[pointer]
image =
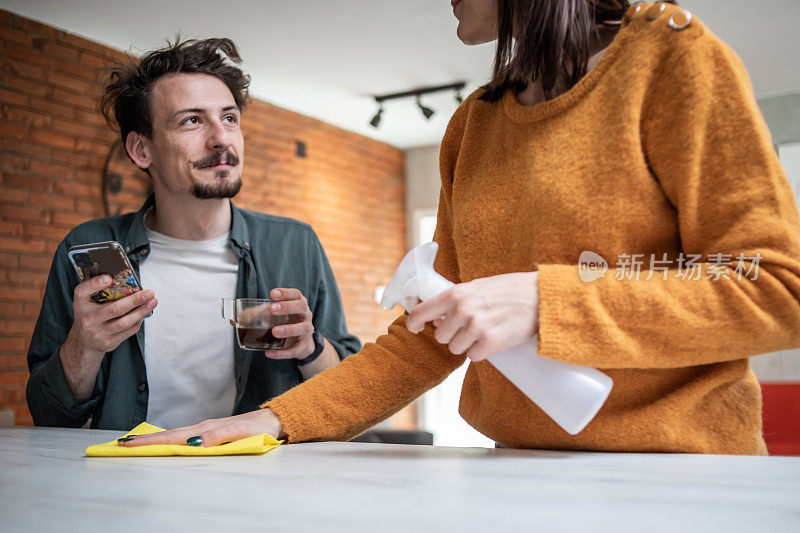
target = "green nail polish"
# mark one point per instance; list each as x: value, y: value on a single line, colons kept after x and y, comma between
x: 194, y: 441
x: 124, y: 439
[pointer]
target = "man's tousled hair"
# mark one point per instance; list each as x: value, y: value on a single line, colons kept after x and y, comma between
x: 128, y: 87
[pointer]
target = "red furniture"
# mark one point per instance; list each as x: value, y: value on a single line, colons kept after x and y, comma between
x: 781, y: 413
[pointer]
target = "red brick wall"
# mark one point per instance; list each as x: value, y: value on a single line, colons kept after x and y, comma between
x: 53, y: 145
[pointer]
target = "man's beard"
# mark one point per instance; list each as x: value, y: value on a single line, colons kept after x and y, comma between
x: 210, y: 191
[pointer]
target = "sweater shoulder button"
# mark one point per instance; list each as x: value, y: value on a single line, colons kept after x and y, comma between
x: 655, y: 11
x: 680, y: 20
x: 632, y: 12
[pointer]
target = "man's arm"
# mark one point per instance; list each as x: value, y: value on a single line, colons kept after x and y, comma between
x: 50, y: 397
x: 327, y: 307
x: 328, y: 358
x: 299, y: 335
x: 71, y: 337
x: 321, y: 310
x: 98, y: 329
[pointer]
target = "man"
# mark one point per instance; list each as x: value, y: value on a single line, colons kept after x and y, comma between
x: 179, y: 111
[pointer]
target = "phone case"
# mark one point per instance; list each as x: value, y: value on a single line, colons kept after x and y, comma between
x: 108, y: 257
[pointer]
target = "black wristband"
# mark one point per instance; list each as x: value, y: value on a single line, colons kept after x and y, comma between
x: 319, y: 345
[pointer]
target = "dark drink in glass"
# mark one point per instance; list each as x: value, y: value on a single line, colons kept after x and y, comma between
x: 254, y: 322
x: 258, y: 339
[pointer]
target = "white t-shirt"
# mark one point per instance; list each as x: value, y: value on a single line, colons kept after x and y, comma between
x: 188, y: 346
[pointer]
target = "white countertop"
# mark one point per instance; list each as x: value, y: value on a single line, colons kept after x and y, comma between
x: 46, y: 483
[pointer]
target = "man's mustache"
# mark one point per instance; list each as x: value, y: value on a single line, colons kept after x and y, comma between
x: 215, y: 159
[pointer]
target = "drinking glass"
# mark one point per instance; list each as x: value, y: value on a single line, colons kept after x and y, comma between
x: 254, y: 322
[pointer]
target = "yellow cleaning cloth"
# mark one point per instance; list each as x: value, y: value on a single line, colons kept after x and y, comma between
x: 250, y: 445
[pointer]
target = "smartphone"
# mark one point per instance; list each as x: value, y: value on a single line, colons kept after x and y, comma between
x: 109, y: 258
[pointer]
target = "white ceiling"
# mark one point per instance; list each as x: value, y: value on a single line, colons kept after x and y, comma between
x: 324, y: 58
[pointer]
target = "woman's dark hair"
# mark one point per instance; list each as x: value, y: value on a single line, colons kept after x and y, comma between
x: 546, y: 40
x: 128, y: 87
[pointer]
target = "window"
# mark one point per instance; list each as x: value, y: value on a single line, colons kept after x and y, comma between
x: 789, y: 155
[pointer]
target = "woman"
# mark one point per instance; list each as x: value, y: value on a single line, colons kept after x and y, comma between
x: 630, y: 133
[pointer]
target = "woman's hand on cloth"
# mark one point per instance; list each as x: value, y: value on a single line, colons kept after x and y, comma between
x: 215, y: 431
x: 483, y: 316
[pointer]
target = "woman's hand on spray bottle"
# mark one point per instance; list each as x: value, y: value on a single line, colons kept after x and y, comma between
x: 483, y: 316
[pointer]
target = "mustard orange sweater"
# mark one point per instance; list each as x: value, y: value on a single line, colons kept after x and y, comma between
x: 660, y: 149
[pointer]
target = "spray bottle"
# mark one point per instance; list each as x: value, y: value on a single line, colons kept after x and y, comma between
x: 570, y: 394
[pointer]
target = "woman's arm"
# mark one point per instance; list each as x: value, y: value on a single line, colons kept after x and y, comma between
x: 710, y: 150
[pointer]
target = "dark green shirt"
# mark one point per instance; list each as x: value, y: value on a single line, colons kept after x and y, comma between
x: 272, y: 251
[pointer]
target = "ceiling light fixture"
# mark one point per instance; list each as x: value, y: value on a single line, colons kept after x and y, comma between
x: 376, y: 120
x: 427, y: 111
x: 416, y: 93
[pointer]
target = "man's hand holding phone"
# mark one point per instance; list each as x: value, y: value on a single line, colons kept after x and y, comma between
x: 97, y: 329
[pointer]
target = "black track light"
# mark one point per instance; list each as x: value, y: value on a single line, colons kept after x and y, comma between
x: 376, y: 120
x: 416, y: 93
x: 427, y: 111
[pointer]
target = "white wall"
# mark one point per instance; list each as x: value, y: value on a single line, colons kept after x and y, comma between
x: 422, y: 186
x: 782, y: 366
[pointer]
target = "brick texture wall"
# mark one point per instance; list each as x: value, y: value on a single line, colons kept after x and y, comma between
x: 53, y: 148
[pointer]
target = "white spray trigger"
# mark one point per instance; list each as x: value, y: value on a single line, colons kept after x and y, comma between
x: 415, y: 279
